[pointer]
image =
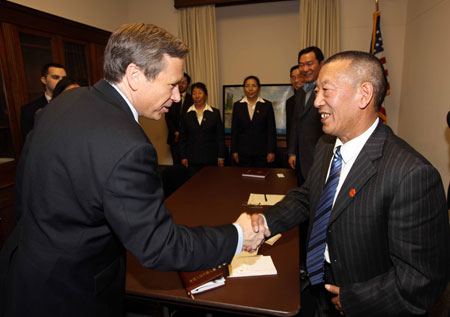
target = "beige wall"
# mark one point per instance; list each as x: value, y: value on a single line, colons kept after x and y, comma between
x: 356, y: 31
x: 257, y: 39
x: 425, y: 98
x: 103, y: 14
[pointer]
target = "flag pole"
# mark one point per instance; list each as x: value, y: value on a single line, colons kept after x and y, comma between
x: 376, y: 4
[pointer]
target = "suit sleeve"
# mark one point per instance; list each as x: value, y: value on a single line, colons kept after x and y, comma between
x: 418, y: 235
x: 271, y: 130
x: 290, y: 212
x: 235, y: 128
x: 134, y: 208
x: 220, y: 136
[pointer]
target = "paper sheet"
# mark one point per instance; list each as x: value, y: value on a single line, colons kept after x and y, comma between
x: 264, y: 199
x: 252, y: 266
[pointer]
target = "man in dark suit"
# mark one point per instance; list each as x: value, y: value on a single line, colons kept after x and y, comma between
x: 173, y: 118
x: 87, y: 190
x: 51, y: 74
x: 306, y: 129
x: 297, y: 83
x: 379, y: 236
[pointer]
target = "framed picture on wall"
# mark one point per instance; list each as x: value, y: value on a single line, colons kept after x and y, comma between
x: 276, y: 93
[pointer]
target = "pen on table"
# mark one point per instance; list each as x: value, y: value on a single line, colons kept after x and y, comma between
x: 265, y: 197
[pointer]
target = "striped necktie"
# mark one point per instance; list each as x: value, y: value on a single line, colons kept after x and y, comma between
x: 318, y: 238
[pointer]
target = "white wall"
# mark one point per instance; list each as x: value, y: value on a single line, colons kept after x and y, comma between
x: 425, y: 98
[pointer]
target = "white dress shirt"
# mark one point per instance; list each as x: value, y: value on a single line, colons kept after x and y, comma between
x: 349, y: 153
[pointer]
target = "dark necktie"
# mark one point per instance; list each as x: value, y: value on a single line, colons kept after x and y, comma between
x: 318, y: 238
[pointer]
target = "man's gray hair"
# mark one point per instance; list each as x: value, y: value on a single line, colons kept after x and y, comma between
x: 142, y: 44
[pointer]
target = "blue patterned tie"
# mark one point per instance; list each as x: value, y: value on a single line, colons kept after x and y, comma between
x: 318, y: 238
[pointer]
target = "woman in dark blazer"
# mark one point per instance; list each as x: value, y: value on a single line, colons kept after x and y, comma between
x: 253, y: 134
x: 202, y: 139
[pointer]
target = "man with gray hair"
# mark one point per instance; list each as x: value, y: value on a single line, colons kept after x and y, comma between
x: 87, y: 191
x: 378, y: 239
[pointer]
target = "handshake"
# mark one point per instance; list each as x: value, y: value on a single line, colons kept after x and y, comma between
x: 253, y: 229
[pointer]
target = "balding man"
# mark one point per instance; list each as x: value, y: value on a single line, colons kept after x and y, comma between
x: 378, y: 240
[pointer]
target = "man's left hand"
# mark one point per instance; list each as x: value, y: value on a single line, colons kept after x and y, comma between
x: 335, y: 300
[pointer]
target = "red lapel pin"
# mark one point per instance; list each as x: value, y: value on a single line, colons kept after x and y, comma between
x: 257, y: 111
x: 204, y: 119
x: 352, y: 192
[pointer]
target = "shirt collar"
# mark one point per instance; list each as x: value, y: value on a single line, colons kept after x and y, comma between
x: 47, y: 97
x: 257, y: 100
x: 352, y: 148
x: 133, y: 110
x: 207, y: 107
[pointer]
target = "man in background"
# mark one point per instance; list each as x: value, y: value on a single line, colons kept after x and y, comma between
x: 378, y: 240
x: 51, y: 74
x: 173, y: 118
x: 306, y: 128
x: 87, y: 190
x: 297, y: 83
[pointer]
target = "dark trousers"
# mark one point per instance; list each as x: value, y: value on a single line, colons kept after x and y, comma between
x: 175, y: 151
x: 315, y: 299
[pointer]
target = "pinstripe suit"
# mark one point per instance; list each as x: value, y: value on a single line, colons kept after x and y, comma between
x: 389, y: 242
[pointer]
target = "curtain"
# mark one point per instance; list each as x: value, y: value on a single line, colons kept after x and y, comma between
x: 319, y: 25
x: 197, y: 28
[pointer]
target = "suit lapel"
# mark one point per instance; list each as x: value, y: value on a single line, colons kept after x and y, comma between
x: 362, y: 170
x: 309, y: 104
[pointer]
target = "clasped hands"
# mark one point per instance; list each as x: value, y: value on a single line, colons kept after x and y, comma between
x: 254, y: 231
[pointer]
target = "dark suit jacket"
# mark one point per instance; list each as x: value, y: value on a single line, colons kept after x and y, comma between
x: 290, y: 110
x: 305, y: 132
x: 89, y: 191
x: 27, y: 115
x: 389, y: 241
x: 202, y: 144
x: 256, y: 137
x: 173, y: 117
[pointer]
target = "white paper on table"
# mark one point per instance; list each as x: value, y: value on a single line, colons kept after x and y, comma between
x: 264, y: 200
x: 252, y: 266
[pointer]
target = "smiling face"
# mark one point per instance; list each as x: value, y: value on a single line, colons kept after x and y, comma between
x: 339, y: 102
x: 199, y: 97
x: 152, y: 98
x: 309, y: 67
x: 296, y: 79
x: 251, y: 88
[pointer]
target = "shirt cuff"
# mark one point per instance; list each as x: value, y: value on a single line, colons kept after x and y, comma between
x: 240, y: 239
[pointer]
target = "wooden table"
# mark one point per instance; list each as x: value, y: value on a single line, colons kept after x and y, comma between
x: 216, y: 196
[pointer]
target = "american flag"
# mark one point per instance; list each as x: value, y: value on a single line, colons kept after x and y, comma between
x: 376, y: 48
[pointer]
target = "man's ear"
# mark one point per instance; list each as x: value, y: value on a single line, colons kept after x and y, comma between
x: 134, y: 76
x: 366, y: 91
x: 43, y: 80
